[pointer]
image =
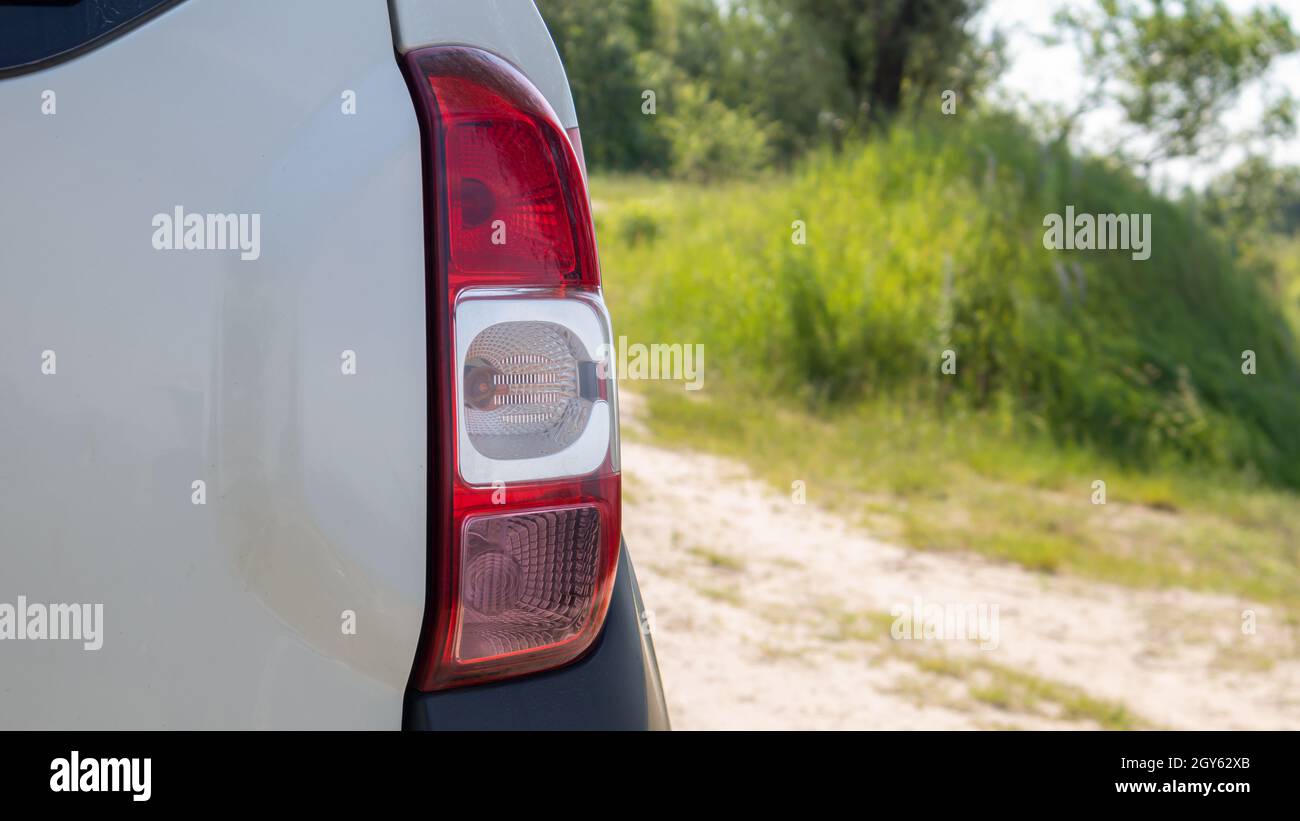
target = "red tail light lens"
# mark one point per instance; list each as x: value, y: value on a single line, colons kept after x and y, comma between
x: 524, y: 514
x: 507, y: 211
x: 511, y: 180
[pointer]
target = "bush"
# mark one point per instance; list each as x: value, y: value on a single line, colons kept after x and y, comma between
x: 710, y: 141
x: 930, y: 239
x: 639, y: 224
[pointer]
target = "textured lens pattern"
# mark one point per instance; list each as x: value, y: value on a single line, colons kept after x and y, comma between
x: 529, y: 580
x: 523, y: 390
x: 508, y: 211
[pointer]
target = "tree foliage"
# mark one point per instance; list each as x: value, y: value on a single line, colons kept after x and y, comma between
x: 1256, y: 195
x: 887, y: 49
x: 1176, y: 67
x: 741, y: 80
x: 792, y: 73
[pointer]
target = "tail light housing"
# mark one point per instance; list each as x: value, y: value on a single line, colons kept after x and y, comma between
x: 524, y: 492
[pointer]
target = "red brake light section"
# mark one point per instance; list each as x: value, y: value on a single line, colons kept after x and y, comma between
x: 521, y: 570
x: 503, y: 183
x: 506, y: 164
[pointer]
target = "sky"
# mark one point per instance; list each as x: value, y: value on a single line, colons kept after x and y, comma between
x: 1046, y: 74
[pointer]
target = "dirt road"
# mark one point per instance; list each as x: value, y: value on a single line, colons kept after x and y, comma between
x: 772, y: 614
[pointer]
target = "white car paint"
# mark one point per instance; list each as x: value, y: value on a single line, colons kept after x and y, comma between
x: 190, y: 365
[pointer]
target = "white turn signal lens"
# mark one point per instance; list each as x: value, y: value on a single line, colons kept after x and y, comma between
x: 535, y: 388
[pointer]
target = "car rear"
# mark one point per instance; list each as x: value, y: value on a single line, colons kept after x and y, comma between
x: 301, y: 496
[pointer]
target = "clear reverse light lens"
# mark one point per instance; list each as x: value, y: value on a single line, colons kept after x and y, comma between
x: 529, y: 388
x: 535, y: 393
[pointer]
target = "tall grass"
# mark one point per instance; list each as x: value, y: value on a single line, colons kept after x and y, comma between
x: 930, y: 239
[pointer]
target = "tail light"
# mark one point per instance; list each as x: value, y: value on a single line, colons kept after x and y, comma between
x: 524, y: 519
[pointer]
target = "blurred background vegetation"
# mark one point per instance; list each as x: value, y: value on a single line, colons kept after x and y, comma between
x: 924, y: 234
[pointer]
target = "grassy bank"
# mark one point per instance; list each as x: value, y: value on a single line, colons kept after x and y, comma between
x: 824, y: 359
x: 929, y: 241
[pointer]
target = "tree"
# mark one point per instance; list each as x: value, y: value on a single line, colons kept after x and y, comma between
x: 600, y: 43
x: 1256, y: 195
x: 1174, y: 68
x: 710, y: 140
x: 774, y: 67
x: 889, y: 49
x: 792, y: 72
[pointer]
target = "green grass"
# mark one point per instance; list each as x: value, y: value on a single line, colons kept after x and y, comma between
x: 987, y: 682
x: 823, y: 360
x: 930, y: 240
x: 726, y: 595
x: 1019, y: 692
x: 718, y: 561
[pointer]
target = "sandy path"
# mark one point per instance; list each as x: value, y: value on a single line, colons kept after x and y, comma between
x: 771, y: 614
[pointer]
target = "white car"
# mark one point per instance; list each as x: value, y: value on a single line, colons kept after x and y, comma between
x: 306, y: 418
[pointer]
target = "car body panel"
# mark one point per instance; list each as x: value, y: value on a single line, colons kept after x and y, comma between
x: 293, y: 596
x: 196, y: 365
